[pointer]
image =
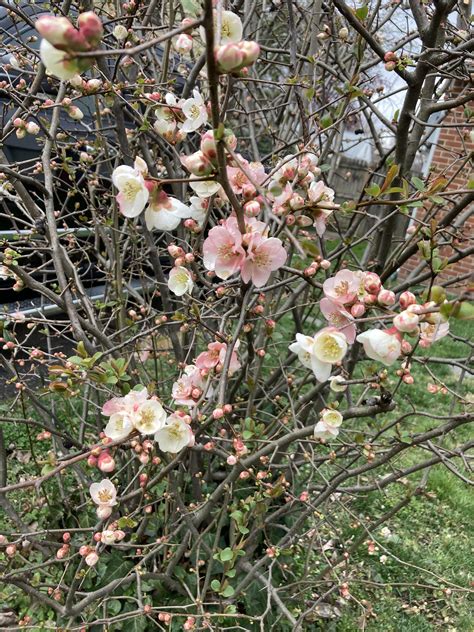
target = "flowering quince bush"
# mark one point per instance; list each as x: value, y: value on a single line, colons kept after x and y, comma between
x: 227, y: 351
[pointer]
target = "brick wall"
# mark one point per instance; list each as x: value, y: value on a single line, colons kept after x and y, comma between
x: 451, y: 149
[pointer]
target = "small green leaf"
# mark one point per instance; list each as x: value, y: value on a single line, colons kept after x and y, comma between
x: 373, y: 190
x: 216, y: 585
x: 228, y: 591
x: 226, y: 555
x: 362, y: 12
x: 418, y: 183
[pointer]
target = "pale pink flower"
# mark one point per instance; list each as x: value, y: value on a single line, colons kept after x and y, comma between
x: 431, y: 332
x: 215, y: 355
x: 187, y: 390
x: 175, y: 435
x: 342, y: 288
x: 339, y: 318
x: 223, y: 252
x: 128, y: 404
x: 164, y: 212
x: 319, y: 192
x: 263, y: 257
x: 380, y: 345
x: 133, y: 193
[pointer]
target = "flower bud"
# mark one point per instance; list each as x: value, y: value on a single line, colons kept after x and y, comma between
x: 251, y: 52
x: 32, y: 128
x: 386, y: 297
x: 229, y: 57
x: 197, y: 164
x: 358, y: 310
x: 252, y: 209
x: 390, y: 66
x: 75, y: 113
x: 92, y: 559
x: 406, y: 321
x: 183, y: 44
x: 103, y: 511
x: 343, y: 33
x: 107, y: 536
x: 372, y: 283
x: 90, y: 27
x: 406, y: 299
x: 105, y: 462
x: 120, y: 32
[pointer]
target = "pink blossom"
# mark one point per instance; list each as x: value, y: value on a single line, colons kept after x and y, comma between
x: 188, y: 389
x: 215, y: 355
x: 338, y: 317
x: 343, y: 287
x: 431, y: 332
x: 264, y: 256
x: 223, y: 252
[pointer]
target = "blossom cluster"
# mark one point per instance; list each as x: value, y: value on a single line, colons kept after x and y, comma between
x: 137, y: 411
x: 347, y: 296
x: 61, y: 40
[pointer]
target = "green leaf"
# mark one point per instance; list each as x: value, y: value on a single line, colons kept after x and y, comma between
x: 114, y: 606
x: 191, y: 7
x: 228, y: 591
x: 231, y: 572
x: 373, y: 190
x: 216, y: 585
x: 362, y: 12
x: 326, y: 121
x: 463, y: 311
x: 418, y: 183
x: 226, y: 555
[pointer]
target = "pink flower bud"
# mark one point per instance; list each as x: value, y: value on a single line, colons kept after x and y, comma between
x: 296, y: 202
x: 372, y: 283
x: 390, y: 66
x: 61, y: 553
x: 252, y: 209
x: 66, y: 537
x: 18, y: 123
x: 198, y: 164
x: 54, y: 29
x: 119, y: 535
x: 209, y: 446
x: 227, y: 409
x: 105, y: 462
x: 406, y: 299
x: 231, y: 460
x: 406, y: 347
x: 103, y: 512
x: 175, y: 251
x: 229, y: 57
x: 325, y: 264
x: 408, y: 379
x: 75, y: 113
x: 208, y: 145
x: 358, y: 310
x: 84, y: 550
x: 251, y: 52
x: 11, y: 550
x: 370, y: 299
x: 218, y: 413
x: 386, y: 297
x: 390, y: 56
x: 183, y: 44
x: 406, y: 321
x: 92, y: 559
x: 90, y: 28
